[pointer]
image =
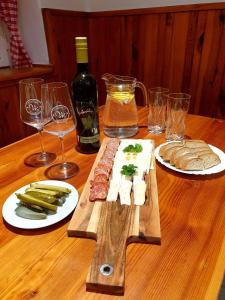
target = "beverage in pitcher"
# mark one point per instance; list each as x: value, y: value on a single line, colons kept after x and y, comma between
x: 120, y: 117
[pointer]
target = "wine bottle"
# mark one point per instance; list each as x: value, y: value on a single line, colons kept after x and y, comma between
x: 84, y: 97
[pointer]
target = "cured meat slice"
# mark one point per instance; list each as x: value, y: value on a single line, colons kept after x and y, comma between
x: 100, y: 178
x: 113, y: 143
x: 98, y: 170
x: 100, y: 183
x: 99, y: 191
x: 107, y: 161
x: 109, y: 154
x: 105, y: 167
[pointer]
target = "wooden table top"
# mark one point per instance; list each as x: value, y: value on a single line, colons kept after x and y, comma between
x: 189, y: 263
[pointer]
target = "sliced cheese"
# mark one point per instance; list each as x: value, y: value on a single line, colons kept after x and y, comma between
x: 124, y: 192
x: 113, y: 190
x: 139, y: 189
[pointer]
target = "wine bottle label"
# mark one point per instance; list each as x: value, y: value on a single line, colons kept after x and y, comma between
x: 88, y: 139
x: 87, y: 114
x: 87, y: 122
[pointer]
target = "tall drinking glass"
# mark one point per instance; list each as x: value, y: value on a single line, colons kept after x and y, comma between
x: 33, y: 112
x: 177, y: 109
x: 62, y: 121
x: 157, y: 109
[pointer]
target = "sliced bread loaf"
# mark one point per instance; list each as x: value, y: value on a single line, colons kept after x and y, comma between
x: 181, y: 161
x: 166, y: 147
x: 192, y: 164
x: 210, y: 160
x: 189, y: 155
x: 194, y: 143
x: 176, y: 154
x: 169, y: 152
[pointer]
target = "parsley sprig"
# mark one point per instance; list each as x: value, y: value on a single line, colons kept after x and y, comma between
x: 134, y: 149
x: 128, y: 170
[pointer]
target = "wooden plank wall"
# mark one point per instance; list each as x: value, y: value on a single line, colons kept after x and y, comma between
x: 181, y: 47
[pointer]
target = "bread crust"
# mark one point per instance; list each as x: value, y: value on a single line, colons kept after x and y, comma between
x: 189, y: 155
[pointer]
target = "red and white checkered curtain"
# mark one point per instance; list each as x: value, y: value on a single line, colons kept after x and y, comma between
x: 8, y: 14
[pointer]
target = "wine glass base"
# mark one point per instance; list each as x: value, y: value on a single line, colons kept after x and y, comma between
x: 62, y: 171
x: 39, y: 159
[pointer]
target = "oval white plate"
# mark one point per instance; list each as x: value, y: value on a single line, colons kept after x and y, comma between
x: 216, y: 169
x: 8, y: 210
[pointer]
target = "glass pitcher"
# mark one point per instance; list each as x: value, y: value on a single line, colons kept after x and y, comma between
x: 120, y: 117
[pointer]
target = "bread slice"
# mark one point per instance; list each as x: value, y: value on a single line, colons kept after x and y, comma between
x: 194, y: 143
x: 168, y: 153
x: 210, y: 160
x: 176, y: 154
x: 204, y: 151
x: 199, y: 149
x: 189, y: 155
x: 164, y: 148
x: 192, y: 164
x: 181, y: 161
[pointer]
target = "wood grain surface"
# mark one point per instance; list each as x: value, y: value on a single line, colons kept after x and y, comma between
x: 114, y: 226
x: 12, y: 128
x: 177, y: 47
x: 189, y: 264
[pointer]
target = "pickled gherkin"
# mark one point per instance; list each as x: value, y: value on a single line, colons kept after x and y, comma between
x: 32, y: 200
x: 27, y: 213
x: 40, y: 200
x: 51, y: 187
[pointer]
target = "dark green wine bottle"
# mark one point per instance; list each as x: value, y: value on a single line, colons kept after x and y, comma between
x: 84, y: 98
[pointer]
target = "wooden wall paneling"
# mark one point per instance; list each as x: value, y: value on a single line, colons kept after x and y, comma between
x: 105, y: 49
x: 61, y: 27
x: 176, y: 47
x: 160, y: 10
x: 215, y: 65
x: 128, y: 46
x: 189, y: 51
x: 221, y: 113
x: 11, y: 126
x: 177, y: 50
x: 9, y: 116
x: 146, y: 70
x: 164, y: 40
x: 196, y: 67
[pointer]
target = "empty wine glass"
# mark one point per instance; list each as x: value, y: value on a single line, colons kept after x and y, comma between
x: 62, y: 121
x: 33, y: 113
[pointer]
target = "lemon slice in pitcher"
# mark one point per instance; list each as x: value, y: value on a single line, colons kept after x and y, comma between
x: 122, y: 97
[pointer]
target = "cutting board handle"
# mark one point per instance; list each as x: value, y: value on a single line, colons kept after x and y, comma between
x: 107, y: 271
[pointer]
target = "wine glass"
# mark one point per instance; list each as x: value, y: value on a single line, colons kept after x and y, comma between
x: 33, y: 113
x: 62, y: 121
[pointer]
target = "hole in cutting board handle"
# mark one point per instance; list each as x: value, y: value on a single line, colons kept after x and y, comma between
x: 106, y: 269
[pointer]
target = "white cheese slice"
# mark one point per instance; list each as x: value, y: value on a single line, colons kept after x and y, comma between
x: 139, y: 189
x: 124, y: 192
x: 113, y: 190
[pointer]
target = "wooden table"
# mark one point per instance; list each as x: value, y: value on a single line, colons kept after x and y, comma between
x: 189, y: 264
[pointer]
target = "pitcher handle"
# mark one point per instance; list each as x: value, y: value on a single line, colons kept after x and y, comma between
x: 144, y: 91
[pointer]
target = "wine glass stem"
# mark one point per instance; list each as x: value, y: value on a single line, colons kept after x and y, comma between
x: 62, y: 150
x: 41, y: 141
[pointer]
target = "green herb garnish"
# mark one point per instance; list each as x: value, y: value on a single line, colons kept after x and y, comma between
x: 134, y: 149
x: 128, y: 170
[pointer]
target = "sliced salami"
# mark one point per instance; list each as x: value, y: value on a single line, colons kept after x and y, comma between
x: 100, y: 183
x: 100, y: 178
x: 98, y: 170
x: 99, y: 191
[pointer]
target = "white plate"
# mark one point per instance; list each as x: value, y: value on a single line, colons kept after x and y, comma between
x: 8, y: 210
x: 216, y: 169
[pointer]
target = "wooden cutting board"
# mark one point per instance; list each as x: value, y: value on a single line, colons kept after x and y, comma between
x: 114, y: 226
